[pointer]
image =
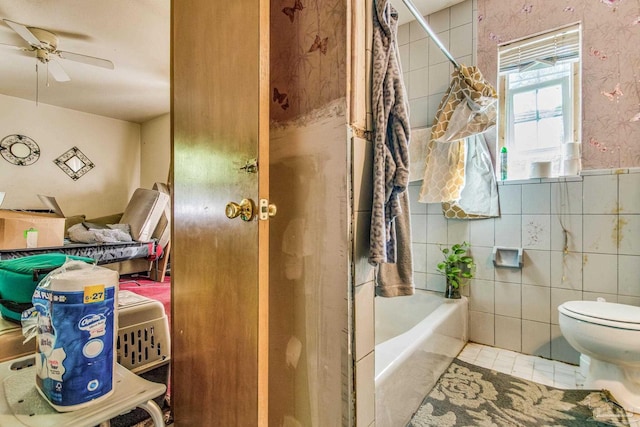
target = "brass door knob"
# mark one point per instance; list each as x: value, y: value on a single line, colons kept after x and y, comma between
x: 244, y: 210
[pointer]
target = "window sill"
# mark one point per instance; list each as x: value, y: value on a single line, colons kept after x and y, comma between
x: 570, y: 178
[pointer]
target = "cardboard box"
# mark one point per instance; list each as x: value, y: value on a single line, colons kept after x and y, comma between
x: 49, y: 229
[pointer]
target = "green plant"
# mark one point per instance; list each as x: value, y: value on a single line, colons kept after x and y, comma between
x: 457, y: 265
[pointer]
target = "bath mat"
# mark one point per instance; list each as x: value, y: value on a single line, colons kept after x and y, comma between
x: 468, y: 395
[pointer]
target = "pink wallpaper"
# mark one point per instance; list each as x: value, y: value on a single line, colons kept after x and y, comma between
x: 308, y: 55
x: 610, y: 66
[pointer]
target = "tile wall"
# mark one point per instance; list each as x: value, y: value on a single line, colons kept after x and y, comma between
x: 581, y: 241
x: 426, y: 71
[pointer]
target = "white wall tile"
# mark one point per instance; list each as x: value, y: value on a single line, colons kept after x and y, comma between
x: 436, y: 282
x: 629, y: 192
x: 482, y: 232
x: 566, y: 198
x: 629, y: 234
x: 419, y: 83
x: 566, y: 270
x: 600, y: 234
x: 434, y: 208
x: 536, y: 302
x: 420, y: 280
x: 600, y: 194
x: 536, y: 268
x: 419, y: 228
x: 435, y: 54
x: 414, y: 194
x: 457, y: 231
x: 434, y: 256
x: 461, y: 40
x: 403, y: 34
x: 559, y: 296
x: 439, y: 78
x: 600, y: 273
x: 509, y: 275
x: 508, y: 332
x: 483, y: 258
x: 365, y: 390
x: 623, y: 299
x: 536, y: 198
x: 508, y: 231
x: 461, y: 13
x: 536, y: 338
x: 439, y: 21
x: 536, y: 232
x: 405, y: 80
x: 629, y: 275
x: 418, y: 55
x: 419, y: 116
x: 364, y: 329
x: 573, y: 226
x: 510, y: 197
x: 481, y: 296
x: 595, y: 296
x: 416, y: 32
x: 437, y: 229
x: 434, y: 102
x: 405, y: 63
x: 481, y: 328
x: 508, y: 300
x: 419, y: 257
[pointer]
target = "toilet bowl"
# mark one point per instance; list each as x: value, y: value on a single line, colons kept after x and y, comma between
x: 609, y: 334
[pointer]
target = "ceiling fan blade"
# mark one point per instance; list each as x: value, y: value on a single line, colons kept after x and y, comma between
x: 56, y: 70
x: 24, y: 33
x: 85, y: 59
x: 14, y: 47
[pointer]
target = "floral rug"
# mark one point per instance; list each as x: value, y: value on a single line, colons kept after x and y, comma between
x: 468, y: 395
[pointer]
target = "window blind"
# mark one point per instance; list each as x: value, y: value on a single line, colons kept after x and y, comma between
x: 553, y: 47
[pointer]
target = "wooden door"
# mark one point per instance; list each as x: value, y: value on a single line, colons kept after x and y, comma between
x: 219, y: 266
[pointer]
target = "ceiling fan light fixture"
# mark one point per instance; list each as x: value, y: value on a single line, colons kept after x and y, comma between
x: 48, y: 40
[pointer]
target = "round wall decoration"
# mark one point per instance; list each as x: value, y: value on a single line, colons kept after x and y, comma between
x: 19, y: 150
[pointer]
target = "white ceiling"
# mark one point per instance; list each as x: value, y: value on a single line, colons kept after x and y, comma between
x: 133, y: 34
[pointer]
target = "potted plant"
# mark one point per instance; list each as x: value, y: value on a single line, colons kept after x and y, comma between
x: 457, y: 267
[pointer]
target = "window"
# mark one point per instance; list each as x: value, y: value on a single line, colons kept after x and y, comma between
x: 539, y: 96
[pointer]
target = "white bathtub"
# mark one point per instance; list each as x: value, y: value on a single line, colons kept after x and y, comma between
x: 417, y: 337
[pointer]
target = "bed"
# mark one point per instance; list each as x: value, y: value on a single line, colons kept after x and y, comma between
x: 148, y: 216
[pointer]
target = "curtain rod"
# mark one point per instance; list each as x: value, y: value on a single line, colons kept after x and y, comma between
x: 429, y: 31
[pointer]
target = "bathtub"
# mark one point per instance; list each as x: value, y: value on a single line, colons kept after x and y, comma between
x: 417, y: 337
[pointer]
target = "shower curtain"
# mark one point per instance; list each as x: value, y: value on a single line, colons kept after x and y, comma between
x: 390, y: 240
x: 457, y: 156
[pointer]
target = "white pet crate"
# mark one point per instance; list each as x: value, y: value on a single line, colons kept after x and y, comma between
x: 143, y: 341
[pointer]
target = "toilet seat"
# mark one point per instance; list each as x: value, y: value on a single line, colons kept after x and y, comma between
x: 614, y: 315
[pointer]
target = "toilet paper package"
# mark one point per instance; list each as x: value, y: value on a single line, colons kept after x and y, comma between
x: 75, y: 309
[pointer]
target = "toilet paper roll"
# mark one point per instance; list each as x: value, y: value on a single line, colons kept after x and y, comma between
x: 540, y: 169
x: 571, y: 150
x: 570, y: 167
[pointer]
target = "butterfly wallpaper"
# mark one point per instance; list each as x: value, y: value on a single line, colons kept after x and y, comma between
x: 610, y: 66
x: 308, y: 56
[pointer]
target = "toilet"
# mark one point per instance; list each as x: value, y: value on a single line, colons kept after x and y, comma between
x: 609, y: 334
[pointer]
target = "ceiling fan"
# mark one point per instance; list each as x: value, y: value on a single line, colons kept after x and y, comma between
x: 45, y: 44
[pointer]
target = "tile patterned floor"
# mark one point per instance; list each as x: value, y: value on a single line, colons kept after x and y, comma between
x: 548, y: 372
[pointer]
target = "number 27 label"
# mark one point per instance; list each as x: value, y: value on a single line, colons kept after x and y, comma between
x: 93, y: 293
